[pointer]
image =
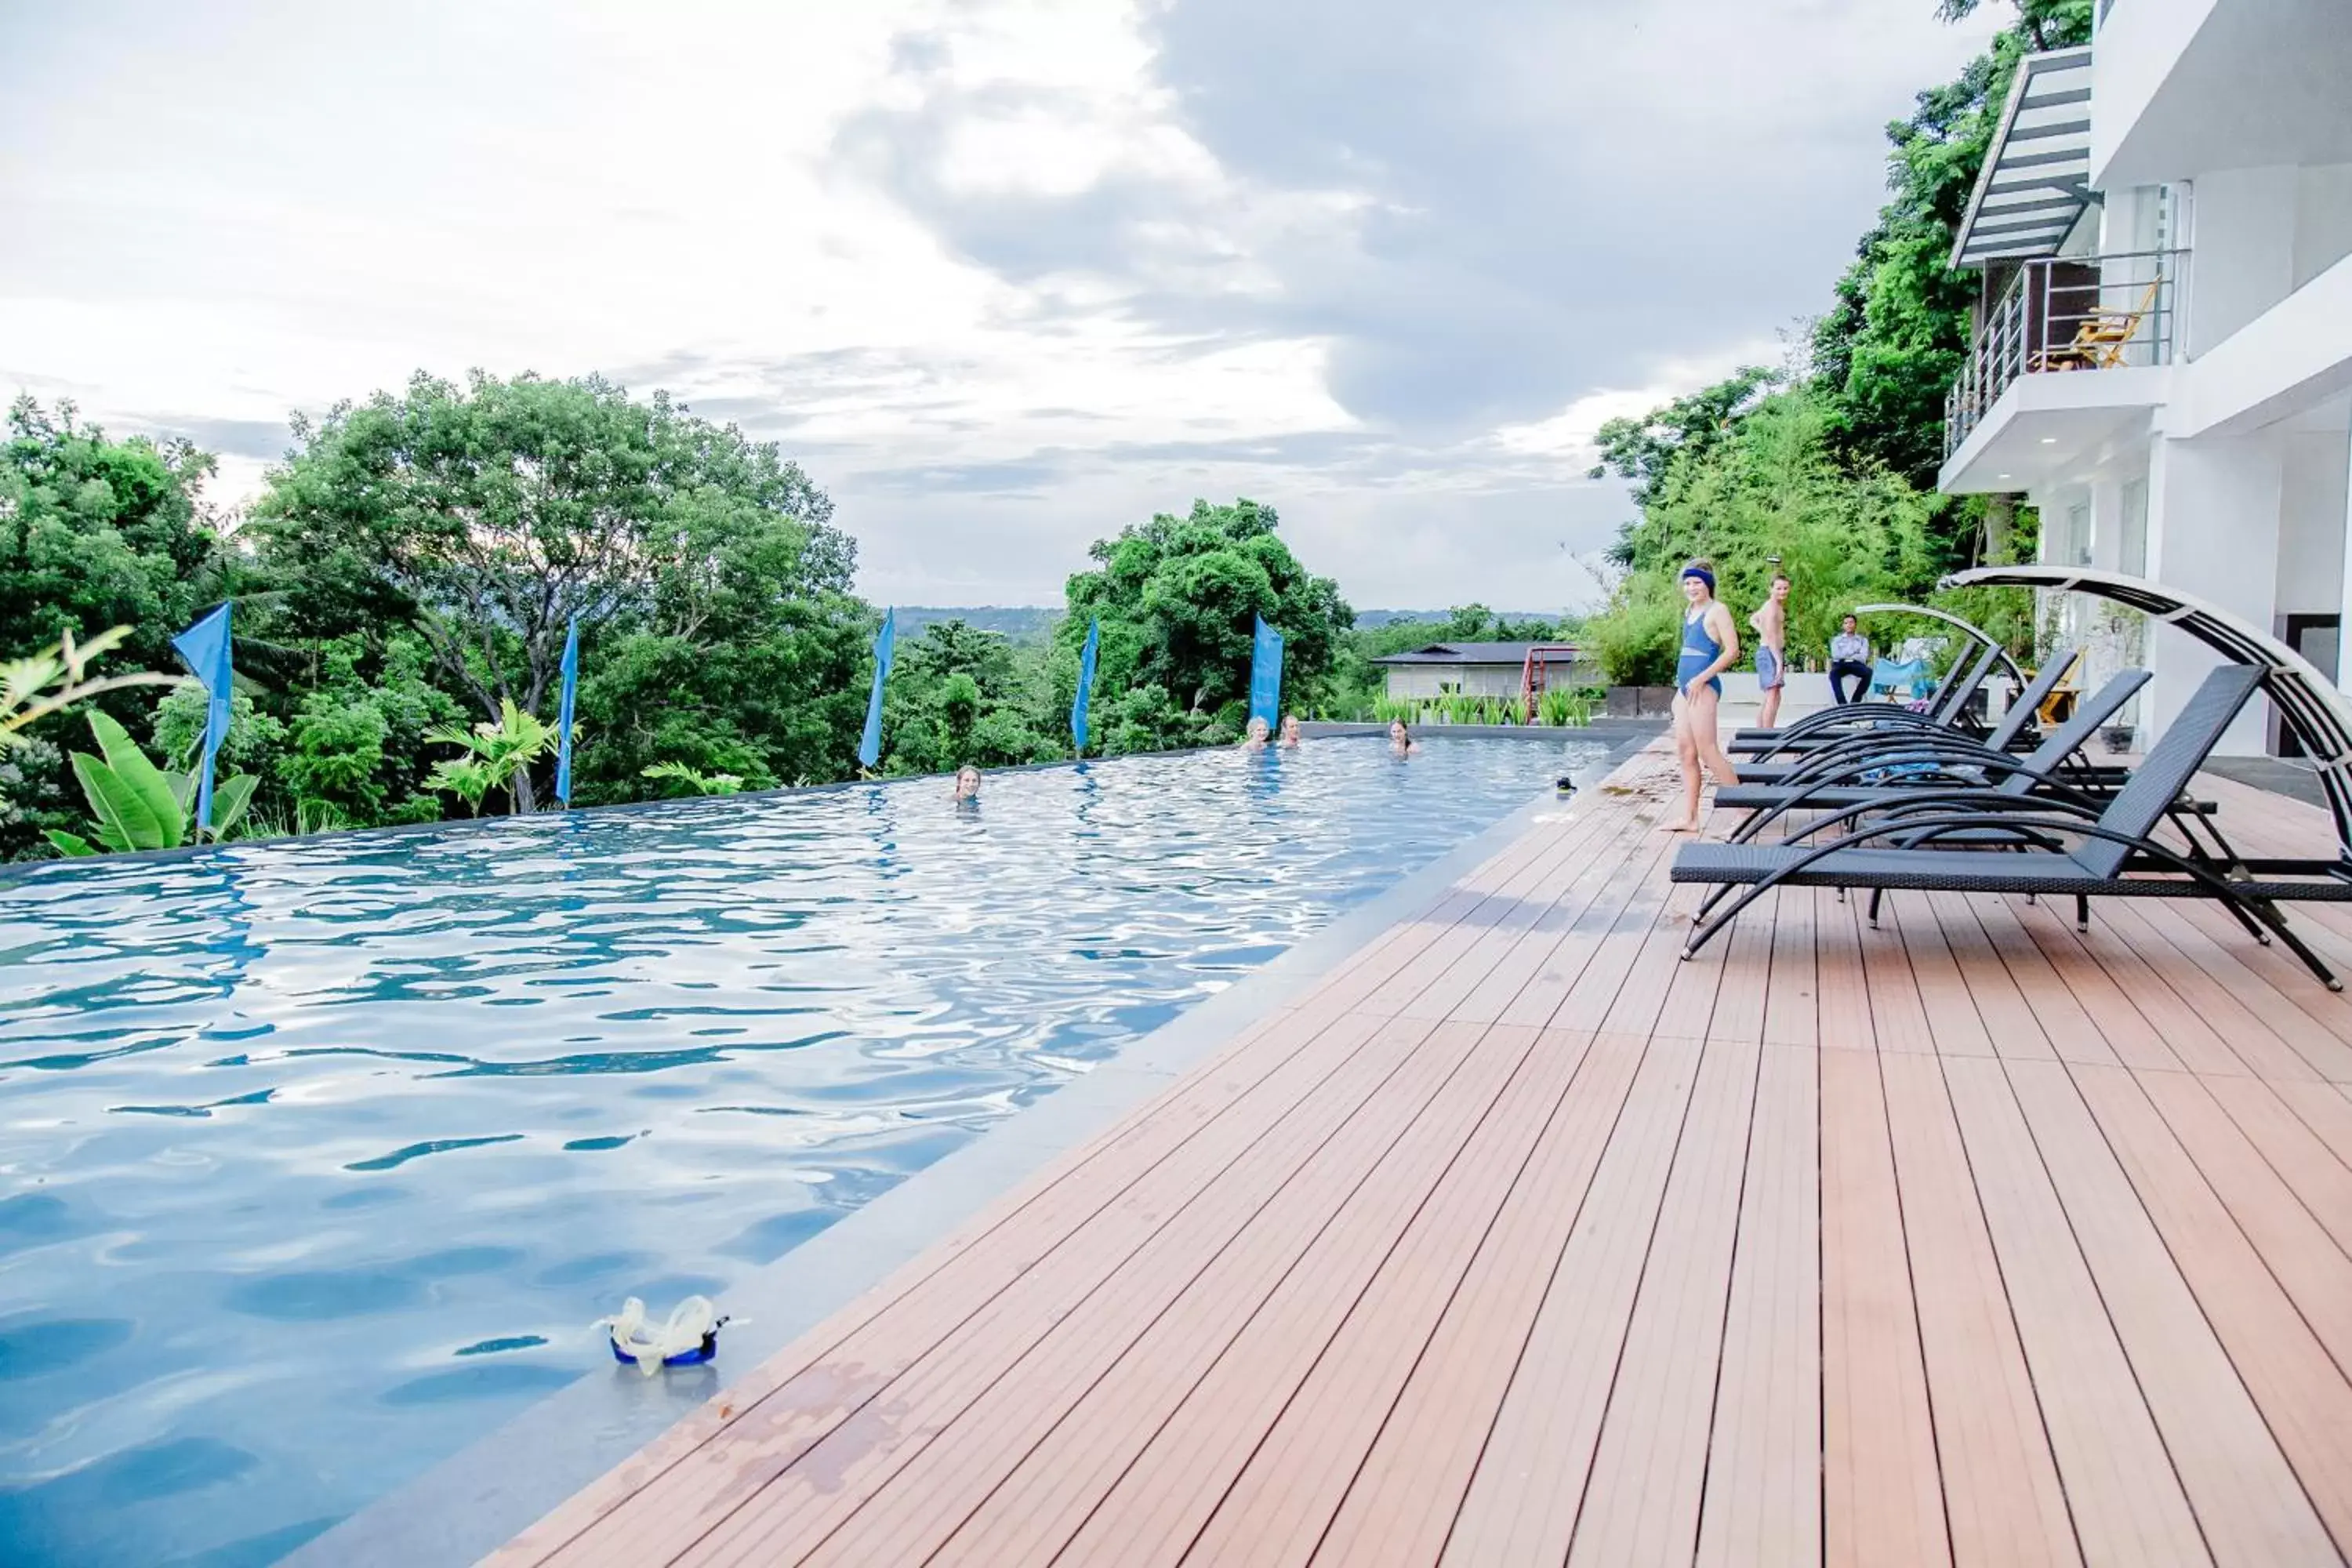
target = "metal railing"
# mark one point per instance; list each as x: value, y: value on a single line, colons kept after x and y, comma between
x: 2069, y: 313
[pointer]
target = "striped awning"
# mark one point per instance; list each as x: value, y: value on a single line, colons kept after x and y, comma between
x: 2036, y: 177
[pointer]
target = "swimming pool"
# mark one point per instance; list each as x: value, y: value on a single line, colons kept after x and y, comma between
x: 317, y: 1158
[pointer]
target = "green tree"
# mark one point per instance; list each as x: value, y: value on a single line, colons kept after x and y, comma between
x: 1897, y: 329
x: 1178, y: 598
x: 488, y: 517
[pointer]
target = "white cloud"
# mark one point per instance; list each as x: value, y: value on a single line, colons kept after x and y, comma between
x: 1006, y: 273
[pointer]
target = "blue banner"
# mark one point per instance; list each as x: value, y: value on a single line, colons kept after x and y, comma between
x: 1078, y: 704
x: 1265, y: 676
x: 869, y: 747
x: 205, y: 649
x: 563, y: 712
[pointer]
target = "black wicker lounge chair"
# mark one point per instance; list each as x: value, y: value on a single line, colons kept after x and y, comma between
x: 1943, y: 710
x: 2015, y: 726
x: 1840, y: 777
x: 1980, y: 841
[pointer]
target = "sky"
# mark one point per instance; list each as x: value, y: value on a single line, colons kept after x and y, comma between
x: 1004, y: 275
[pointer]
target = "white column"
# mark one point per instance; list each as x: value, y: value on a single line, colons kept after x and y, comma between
x: 2213, y: 532
x: 2343, y: 627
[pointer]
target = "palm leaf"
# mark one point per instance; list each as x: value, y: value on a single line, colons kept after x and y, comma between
x: 69, y: 844
x: 231, y: 796
x: 124, y: 819
x: 131, y: 766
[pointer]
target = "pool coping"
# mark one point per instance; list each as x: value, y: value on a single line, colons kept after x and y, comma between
x: 475, y: 1501
x: 16, y: 874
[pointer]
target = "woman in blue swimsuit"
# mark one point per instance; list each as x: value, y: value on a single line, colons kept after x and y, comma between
x: 1710, y: 646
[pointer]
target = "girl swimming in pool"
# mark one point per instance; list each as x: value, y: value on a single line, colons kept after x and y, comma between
x: 1290, y: 732
x: 967, y: 784
x: 1710, y: 646
x: 1401, y: 740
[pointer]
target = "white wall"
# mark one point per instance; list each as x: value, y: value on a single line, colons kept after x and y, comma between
x: 2312, y: 484
x: 2323, y: 215
x: 2213, y: 531
x: 2242, y: 250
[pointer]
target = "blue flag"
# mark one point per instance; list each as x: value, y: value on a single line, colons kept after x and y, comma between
x: 205, y: 649
x: 563, y: 712
x: 869, y: 747
x: 1265, y: 676
x: 1086, y: 685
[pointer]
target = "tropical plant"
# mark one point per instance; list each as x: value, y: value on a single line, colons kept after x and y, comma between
x: 497, y: 756
x: 490, y: 517
x: 49, y: 682
x: 136, y: 804
x: 696, y: 780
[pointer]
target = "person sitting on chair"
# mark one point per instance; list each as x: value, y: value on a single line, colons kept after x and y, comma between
x: 1849, y: 660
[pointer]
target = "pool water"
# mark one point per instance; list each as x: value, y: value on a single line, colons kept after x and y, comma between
x: 318, y: 1158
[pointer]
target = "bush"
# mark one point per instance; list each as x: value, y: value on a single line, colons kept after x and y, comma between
x: 1640, y: 635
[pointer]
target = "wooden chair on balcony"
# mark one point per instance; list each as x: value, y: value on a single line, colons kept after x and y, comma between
x: 2101, y: 337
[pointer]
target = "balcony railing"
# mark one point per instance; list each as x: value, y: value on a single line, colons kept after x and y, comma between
x: 2067, y: 314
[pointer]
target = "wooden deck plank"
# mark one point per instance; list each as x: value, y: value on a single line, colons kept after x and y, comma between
x: 2002, y: 1499
x: 1762, y: 1508
x: 2272, y: 1284
x: 2176, y: 1021
x: 1402, y: 1503
x: 2064, y: 1022
x: 2238, y: 1005
x: 1563, y: 967
x: 2269, y: 981
x: 1843, y: 983
x: 816, y: 1387
x: 1235, y: 1092
x: 1954, y: 1024
x: 1054, y: 1336
x: 1970, y: 1238
x: 1592, y: 1001
x: 1880, y: 1498
x: 1254, y: 1317
x: 1576, y: 860
x: 2319, y: 1176
x: 2121, y: 1488
x: 2249, y: 1503
x: 2134, y: 1040
x: 1523, y: 1498
x: 1274, y: 1504
x: 1792, y: 1013
x: 1898, y: 1007
x: 1642, y: 1501
x: 2009, y: 1022
x: 2302, y: 1249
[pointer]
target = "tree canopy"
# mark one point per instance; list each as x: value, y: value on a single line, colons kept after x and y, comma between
x: 1179, y: 598
x: 1831, y: 469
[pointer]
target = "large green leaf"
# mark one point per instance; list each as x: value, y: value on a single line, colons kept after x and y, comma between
x: 129, y: 764
x: 231, y: 796
x: 70, y: 844
x: 124, y: 819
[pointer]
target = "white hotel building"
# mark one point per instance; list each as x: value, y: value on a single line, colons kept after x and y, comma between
x: 2162, y: 362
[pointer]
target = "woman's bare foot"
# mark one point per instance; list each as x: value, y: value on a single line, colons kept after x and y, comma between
x: 1684, y: 827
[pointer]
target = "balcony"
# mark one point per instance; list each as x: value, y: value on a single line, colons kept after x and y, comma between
x: 2072, y: 330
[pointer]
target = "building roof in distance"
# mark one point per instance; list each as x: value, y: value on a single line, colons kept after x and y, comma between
x: 1514, y: 654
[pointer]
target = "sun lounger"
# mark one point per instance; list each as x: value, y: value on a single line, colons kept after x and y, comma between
x: 1840, y: 778
x: 1982, y: 842
x: 2008, y: 734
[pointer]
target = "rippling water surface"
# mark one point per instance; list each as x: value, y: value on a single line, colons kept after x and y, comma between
x: 316, y: 1158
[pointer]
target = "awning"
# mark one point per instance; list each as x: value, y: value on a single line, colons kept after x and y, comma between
x: 2036, y: 177
x: 2307, y: 700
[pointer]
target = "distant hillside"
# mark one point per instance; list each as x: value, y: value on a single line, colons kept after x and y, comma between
x: 1024, y: 623
x: 1019, y: 623
x: 1367, y: 619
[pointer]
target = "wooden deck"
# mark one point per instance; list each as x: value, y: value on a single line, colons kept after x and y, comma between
x: 1969, y: 1239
